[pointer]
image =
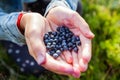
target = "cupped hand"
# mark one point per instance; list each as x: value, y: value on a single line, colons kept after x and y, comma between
x: 35, y: 27
x: 61, y: 16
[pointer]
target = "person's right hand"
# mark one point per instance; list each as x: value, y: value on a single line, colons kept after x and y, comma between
x: 35, y: 26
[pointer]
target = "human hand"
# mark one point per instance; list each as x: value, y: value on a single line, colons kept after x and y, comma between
x: 35, y: 27
x: 60, y: 16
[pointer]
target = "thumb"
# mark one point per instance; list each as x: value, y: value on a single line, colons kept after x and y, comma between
x: 37, y: 49
x: 74, y: 20
x: 83, y: 26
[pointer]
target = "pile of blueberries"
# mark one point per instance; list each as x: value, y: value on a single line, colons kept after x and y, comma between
x: 61, y: 40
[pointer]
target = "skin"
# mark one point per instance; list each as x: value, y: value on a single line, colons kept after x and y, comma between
x: 59, y: 16
x: 69, y: 63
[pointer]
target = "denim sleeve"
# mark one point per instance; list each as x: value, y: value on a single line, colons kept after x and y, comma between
x: 28, y: 1
x: 72, y: 4
x: 8, y: 28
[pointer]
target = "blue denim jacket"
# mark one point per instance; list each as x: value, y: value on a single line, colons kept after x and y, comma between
x: 9, y: 11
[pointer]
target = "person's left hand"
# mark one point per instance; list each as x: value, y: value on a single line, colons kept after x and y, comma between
x: 60, y: 16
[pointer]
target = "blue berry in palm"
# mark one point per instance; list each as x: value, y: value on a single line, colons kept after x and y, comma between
x: 77, y: 38
x: 55, y: 55
x: 76, y: 49
x: 65, y: 47
x: 78, y: 43
x: 58, y: 52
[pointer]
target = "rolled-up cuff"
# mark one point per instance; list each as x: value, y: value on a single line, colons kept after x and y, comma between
x: 11, y: 30
x: 55, y: 3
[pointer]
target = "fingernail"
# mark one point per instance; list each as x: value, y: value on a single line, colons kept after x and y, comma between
x: 83, y: 67
x: 70, y: 60
x: 76, y: 73
x: 91, y: 35
x: 68, y: 70
x: 40, y: 58
x: 67, y: 23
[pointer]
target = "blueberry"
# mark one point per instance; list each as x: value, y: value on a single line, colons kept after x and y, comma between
x: 57, y: 46
x: 65, y: 28
x: 62, y: 29
x: 64, y: 43
x: 67, y: 35
x: 68, y: 39
x: 51, y: 40
x: 60, y: 38
x: 49, y: 33
x: 52, y: 36
x: 51, y: 53
x: 56, y: 37
x: 52, y: 46
x: 46, y: 41
x: 49, y: 43
x: 63, y: 37
x: 70, y: 48
x: 75, y: 49
x: 77, y: 38
x: 55, y: 40
x: 63, y: 33
x: 58, y: 29
x: 60, y: 46
x: 46, y: 36
x: 70, y: 44
x: 61, y: 49
x: 73, y: 38
x: 70, y: 34
x: 78, y: 43
x: 58, y: 52
x: 73, y: 46
x: 54, y: 33
x: 65, y: 47
x: 54, y: 43
x: 48, y: 47
x: 55, y: 55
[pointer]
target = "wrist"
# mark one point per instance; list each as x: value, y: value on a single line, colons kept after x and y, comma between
x: 56, y: 3
x: 22, y: 20
x: 19, y: 23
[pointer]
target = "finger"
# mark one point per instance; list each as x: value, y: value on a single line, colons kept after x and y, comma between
x: 35, y: 40
x: 30, y: 49
x: 63, y: 57
x: 34, y: 34
x: 39, y: 49
x: 75, y: 65
x: 82, y: 66
x: 86, y: 49
x: 60, y: 59
x: 57, y: 66
x: 68, y: 57
x: 74, y: 19
x: 79, y: 52
x: 53, y: 26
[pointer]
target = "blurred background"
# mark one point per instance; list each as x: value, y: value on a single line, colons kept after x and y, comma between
x: 103, y: 17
